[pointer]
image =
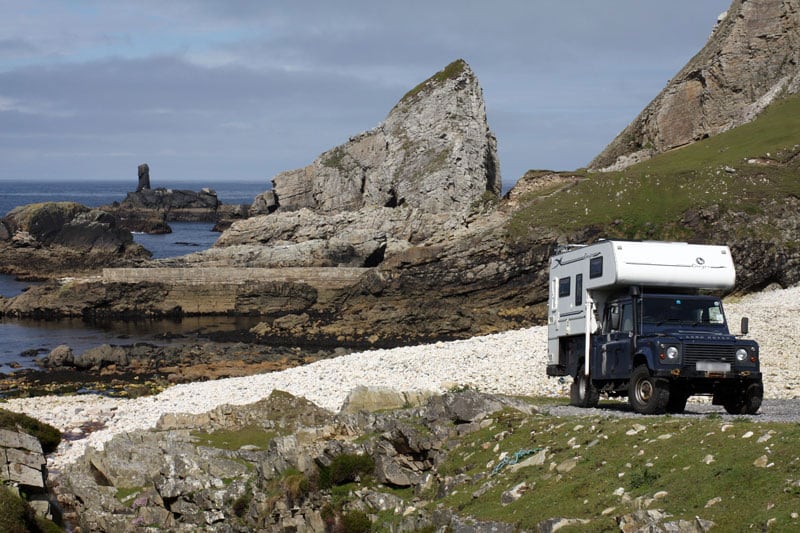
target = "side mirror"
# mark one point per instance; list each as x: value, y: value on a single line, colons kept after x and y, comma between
x: 745, y: 325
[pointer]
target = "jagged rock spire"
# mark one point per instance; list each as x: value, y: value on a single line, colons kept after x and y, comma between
x: 434, y: 152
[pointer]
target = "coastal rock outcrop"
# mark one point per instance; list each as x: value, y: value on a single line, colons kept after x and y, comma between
x: 144, y: 177
x: 434, y: 151
x: 150, y: 210
x: 751, y: 58
x: 417, y: 175
x: 59, y: 237
x: 280, y: 471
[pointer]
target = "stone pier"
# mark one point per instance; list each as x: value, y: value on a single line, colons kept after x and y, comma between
x: 224, y: 290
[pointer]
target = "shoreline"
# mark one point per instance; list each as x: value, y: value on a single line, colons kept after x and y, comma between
x: 511, y: 362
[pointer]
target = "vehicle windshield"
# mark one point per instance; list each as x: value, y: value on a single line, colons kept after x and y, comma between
x: 681, y: 310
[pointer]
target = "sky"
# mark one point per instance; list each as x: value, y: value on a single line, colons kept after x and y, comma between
x: 241, y: 90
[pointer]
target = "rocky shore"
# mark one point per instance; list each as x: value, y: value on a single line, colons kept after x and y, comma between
x: 511, y: 363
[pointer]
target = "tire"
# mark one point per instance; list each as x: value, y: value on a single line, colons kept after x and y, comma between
x: 582, y: 393
x: 746, y: 401
x: 677, y: 401
x: 646, y: 394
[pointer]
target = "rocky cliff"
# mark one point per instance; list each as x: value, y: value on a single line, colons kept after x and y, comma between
x: 434, y: 152
x: 414, y: 179
x: 751, y: 58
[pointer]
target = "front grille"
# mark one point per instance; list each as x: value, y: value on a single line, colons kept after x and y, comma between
x: 708, y: 352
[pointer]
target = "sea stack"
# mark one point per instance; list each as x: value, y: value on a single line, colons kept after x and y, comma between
x: 144, y: 177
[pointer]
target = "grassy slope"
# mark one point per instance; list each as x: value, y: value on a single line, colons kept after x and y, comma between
x: 693, y: 460
x: 648, y: 199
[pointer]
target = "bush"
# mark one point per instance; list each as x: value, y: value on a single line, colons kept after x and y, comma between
x: 356, y: 522
x: 48, y: 436
x: 16, y: 516
x: 345, y: 468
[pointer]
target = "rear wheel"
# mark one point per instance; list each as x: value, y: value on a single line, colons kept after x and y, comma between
x: 646, y: 394
x: 746, y: 401
x: 582, y: 393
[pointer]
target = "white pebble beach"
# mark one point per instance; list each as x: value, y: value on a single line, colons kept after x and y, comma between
x: 512, y: 362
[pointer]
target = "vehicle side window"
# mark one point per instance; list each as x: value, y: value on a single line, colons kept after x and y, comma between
x: 596, y: 267
x: 627, y: 318
x: 563, y: 287
x: 578, y: 290
x: 619, y: 317
x: 611, y: 322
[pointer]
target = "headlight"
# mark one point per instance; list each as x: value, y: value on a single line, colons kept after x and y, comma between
x: 672, y: 353
x: 741, y: 355
x: 669, y: 353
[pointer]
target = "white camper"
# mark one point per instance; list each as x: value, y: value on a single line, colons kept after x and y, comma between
x: 582, y: 277
x: 585, y: 280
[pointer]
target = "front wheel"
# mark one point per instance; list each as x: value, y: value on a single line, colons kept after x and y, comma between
x: 746, y: 401
x: 582, y: 393
x: 646, y: 394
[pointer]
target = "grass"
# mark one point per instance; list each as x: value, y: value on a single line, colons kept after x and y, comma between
x: 664, y: 454
x: 234, y: 440
x: 648, y: 200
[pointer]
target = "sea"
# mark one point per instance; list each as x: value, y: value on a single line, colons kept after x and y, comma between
x: 22, y: 341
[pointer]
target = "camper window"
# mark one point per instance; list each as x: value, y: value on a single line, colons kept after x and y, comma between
x: 596, y: 267
x: 563, y: 287
x: 578, y: 290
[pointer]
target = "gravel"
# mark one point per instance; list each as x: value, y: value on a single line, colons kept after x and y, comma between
x: 511, y: 362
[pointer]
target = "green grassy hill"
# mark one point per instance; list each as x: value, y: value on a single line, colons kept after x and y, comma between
x: 739, y: 170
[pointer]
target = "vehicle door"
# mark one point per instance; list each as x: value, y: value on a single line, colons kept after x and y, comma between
x: 616, y: 353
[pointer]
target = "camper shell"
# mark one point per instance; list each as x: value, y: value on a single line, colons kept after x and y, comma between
x: 644, y: 319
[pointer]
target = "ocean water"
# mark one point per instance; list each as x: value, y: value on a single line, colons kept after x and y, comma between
x: 18, y: 338
x: 186, y: 237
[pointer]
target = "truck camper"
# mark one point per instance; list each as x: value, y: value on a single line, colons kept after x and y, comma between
x: 641, y: 319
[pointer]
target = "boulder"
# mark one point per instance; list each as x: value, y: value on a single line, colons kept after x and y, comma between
x: 101, y: 356
x: 22, y: 459
x: 59, y: 356
x: 373, y: 399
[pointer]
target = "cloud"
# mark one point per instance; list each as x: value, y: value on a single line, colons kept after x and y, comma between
x: 203, y: 88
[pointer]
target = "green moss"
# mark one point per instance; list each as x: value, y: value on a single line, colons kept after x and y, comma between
x: 335, y: 158
x: 356, y: 522
x: 47, y: 435
x: 450, y: 72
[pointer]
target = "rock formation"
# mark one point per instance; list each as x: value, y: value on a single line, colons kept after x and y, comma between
x: 751, y: 58
x: 23, y: 467
x: 414, y: 179
x: 150, y: 210
x: 182, y: 477
x: 144, y: 177
x: 434, y: 152
x: 59, y: 237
